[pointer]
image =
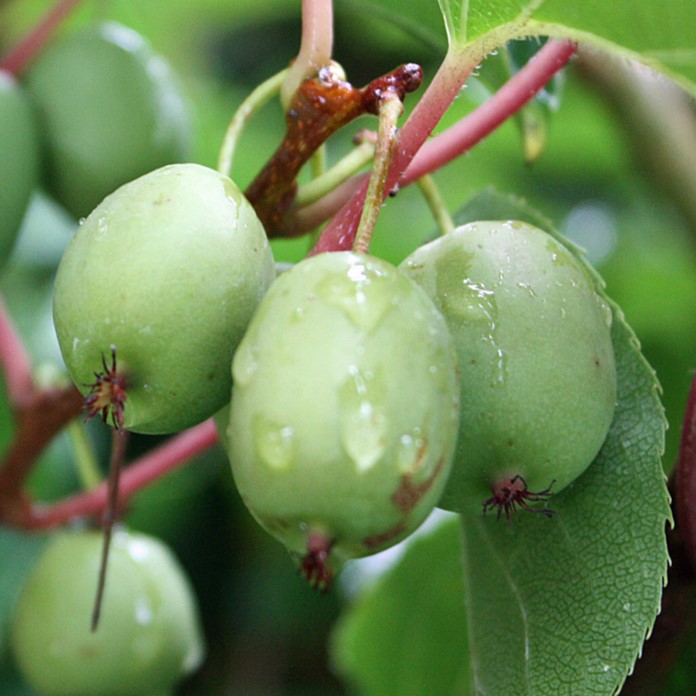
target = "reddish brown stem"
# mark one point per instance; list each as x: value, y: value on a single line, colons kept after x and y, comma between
x: 40, y: 416
x: 140, y: 473
x: 320, y: 107
x: 20, y: 55
x: 685, y: 479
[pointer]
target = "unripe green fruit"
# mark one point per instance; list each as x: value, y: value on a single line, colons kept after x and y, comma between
x: 168, y: 271
x: 148, y: 636
x: 19, y: 162
x: 538, y: 381
x: 110, y: 110
x: 344, y: 410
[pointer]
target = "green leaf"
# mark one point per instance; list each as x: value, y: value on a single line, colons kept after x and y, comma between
x: 563, y: 605
x: 659, y: 34
x: 406, y: 635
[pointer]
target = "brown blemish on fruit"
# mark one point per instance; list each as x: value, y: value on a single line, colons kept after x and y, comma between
x: 409, y: 494
x: 378, y: 540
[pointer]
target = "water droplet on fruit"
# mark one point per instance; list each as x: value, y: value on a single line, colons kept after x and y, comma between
x: 275, y: 443
x: 528, y: 287
x: 245, y: 363
x: 410, y: 450
x: 143, y: 612
x: 363, y: 422
x: 359, y: 294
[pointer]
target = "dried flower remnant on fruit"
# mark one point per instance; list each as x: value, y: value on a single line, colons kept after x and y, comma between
x: 107, y: 394
x: 511, y: 493
x: 315, y: 566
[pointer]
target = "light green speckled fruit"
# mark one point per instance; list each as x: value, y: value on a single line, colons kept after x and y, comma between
x: 148, y: 636
x: 538, y: 382
x: 344, y: 410
x: 168, y: 271
x: 19, y: 161
x: 110, y: 110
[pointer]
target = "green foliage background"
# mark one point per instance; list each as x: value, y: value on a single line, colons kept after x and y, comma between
x: 268, y: 634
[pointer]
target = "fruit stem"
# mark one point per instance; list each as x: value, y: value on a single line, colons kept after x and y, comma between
x: 316, y: 47
x: 27, y: 48
x: 118, y: 455
x: 685, y: 479
x: 431, y: 193
x: 321, y: 106
x: 390, y: 108
x: 258, y: 98
x: 141, y: 472
x: 345, y: 168
x: 445, y: 86
x: 417, y: 157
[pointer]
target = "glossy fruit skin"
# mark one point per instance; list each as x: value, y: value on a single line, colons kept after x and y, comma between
x: 538, y: 380
x: 19, y: 164
x: 109, y: 109
x: 148, y: 636
x: 344, y: 406
x: 168, y: 270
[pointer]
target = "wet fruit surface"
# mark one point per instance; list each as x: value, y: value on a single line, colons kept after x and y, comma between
x: 538, y: 382
x: 167, y: 271
x: 344, y: 409
x: 148, y: 636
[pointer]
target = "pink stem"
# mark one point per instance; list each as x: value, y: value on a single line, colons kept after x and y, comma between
x: 441, y: 149
x: 20, y: 55
x: 685, y: 479
x: 139, y: 474
x: 507, y: 101
x: 14, y: 359
x: 340, y: 232
x: 316, y: 45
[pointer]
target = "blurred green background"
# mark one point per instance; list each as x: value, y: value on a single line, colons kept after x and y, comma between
x: 601, y: 180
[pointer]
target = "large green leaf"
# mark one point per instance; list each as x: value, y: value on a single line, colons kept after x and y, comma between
x: 406, y: 635
x: 563, y: 605
x: 660, y: 34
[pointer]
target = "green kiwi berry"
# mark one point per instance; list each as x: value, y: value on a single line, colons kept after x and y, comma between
x: 110, y: 110
x: 538, y: 380
x: 155, y: 291
x: 344, y: 410
x: 19, y: 163
x: 148, y: 637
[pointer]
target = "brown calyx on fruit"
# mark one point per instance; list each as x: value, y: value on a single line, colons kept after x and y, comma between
x: 511, y: 493
x: 315, y: 566
x: 107, y: 395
